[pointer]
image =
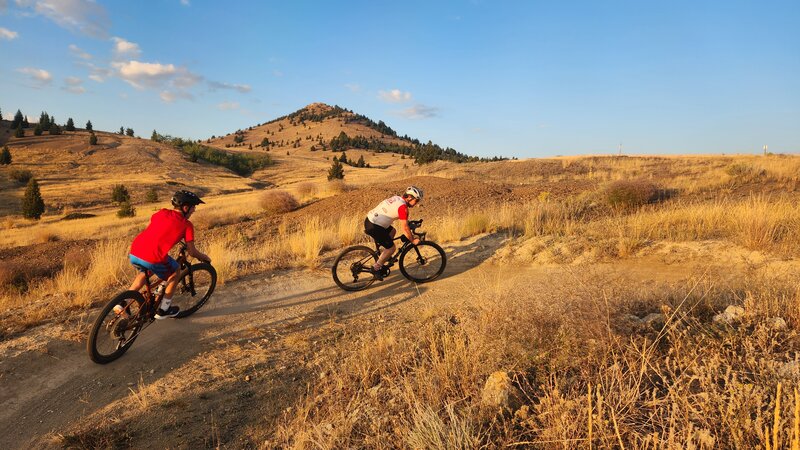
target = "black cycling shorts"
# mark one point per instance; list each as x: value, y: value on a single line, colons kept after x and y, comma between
x: 380, y: 234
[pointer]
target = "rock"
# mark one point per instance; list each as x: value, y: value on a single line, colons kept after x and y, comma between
x: 247, y: 378
x: 655, y: 321
x: 631, y: 319
x: 500, y: 393
x: 776, y: 323
x: 732, y: 314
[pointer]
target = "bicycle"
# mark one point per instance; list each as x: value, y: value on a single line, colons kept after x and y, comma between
x: 352, y: 269
x: 123, y: 318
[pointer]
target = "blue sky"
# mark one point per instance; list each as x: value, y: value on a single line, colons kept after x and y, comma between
x: 513, y: 78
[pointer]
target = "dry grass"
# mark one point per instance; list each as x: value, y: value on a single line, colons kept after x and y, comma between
x: 577, y: 361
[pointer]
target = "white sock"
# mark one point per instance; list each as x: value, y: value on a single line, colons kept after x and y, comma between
x: 165, y: 302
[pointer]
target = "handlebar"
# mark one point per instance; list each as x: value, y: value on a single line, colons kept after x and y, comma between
x: 414, y: 224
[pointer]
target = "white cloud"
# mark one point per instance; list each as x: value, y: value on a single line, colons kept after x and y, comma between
x: 77, y: 51
x: 227, y: 106
x: 394, y: 96
x: 73, y: 84
x: 125, y: 49
x: 97, y: 78
x: 418, y: 112
x: 143, y: 74
x: 185, y: 2
x: 83, y: 16
x: 73, y: 81
x: 171, y: 96
x: 40, y: 77
x: 243, y: 88
x: 7, y: 34
x: 353, y: 87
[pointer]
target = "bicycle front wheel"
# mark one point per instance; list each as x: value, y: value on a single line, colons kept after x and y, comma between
x: 351, y: 270
x: 423, y: 262
x: 194, y: 289
x: 113, y: 331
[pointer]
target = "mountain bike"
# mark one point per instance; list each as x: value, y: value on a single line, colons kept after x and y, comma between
x: 123, y: 318
x: 421, y: 263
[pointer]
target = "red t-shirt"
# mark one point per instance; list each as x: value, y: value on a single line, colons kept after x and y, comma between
x: 166, y: 228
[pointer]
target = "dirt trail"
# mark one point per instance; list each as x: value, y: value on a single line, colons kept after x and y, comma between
x: 48, y: 382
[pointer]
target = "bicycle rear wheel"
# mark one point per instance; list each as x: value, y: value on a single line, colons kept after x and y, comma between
x: 194, y: 289
x: 351, y: 270
x: 423, y: 262
x: 113, y: 332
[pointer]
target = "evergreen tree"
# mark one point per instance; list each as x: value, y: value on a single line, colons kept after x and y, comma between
x: 17, y: 122
x: 25, y: 123
x: 55, y: 129
x: 18, y: 133
x: 32, y: 203
x: 155, y: 137
x: 1, y: 114
x: 343, y: 158
x: 121, y: 131
x: 88, y: 125
x: 5, y: 156
x: 37, y: 131
x: 361, y: 162
x: 126, y: 209
x: 44, y: 121
x: 92, y: 139
x: 336, y: 172
x: 265, y: 142
x: 120, y: 194
x: 151, y: 195
x: 70, y: 125
x: 129, y: 132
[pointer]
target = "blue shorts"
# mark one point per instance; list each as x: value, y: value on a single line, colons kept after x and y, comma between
x: 162, y: 270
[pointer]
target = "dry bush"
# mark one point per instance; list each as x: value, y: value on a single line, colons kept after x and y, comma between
x: 210, y: 219
x: 45, y: 236
x: 78, y: 258
x: 20, y: 175
x: 335, y: 187
x: 306, y: 190
x: 306, y: 244
x: 630, y: 194
x: 8, y: 273
x: 278, y: 202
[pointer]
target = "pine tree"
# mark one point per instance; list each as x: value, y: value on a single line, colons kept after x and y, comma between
x: 128, y: 131
x: 1, y: 114
x: 361, y: 162
x: 18, y: 133
x: 336, y: 172
x: 5, y: 156
x: 155, y: 137
x: 37, y: 131
x: 32, y: 203
x: 92, y: 139
x: 17, y: 122
x: 121, y: 131
x: 89, y: 125
x: 151, y: 196
x: 55, y: 129
x: 44, y: 121
x: 120, y: 194
x: 70, y: 125
x: 126, y: 209
x: 343, y: 158
x: 25, y: 123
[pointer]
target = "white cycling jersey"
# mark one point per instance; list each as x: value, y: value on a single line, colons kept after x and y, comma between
x: 388, y: 211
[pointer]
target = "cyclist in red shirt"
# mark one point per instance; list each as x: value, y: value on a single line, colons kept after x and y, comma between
x: 378, y: 224
x: 150, y: 249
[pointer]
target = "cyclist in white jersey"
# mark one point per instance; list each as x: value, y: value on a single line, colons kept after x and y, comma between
x: 378, y: 224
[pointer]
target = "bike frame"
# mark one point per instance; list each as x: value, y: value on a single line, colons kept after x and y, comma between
x: 413, y: 224
x: 152, y: 301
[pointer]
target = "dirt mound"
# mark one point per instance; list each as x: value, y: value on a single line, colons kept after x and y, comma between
x: 29, y: 262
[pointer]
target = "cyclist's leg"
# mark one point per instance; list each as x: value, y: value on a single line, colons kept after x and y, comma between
x: 388, y: 251
x: 141, y: 277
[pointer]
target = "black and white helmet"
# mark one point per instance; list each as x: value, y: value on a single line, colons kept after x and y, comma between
x: 413, y: 191
x: 181, y: 198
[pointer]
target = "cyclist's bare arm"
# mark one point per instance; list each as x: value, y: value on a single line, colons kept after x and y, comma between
x: 193, y: 251
x: 407, y: 231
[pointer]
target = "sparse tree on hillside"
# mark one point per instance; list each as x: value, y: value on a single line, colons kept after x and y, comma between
x: 32, y: 202
x: 55, y: 129
x: 126, y: 209
x: 5, y: 156
x: 25, y: 123
x: 37, y: 130
x: 18, y: 133
x: 265, y: 142
x: 44, y: 121
x: 361, y: 162
x: 17, y: 122
x: 121, y: 131
x: 129, y: 132
x: 250, y: 146
x: 336, y: 172
x: 92, y: 139
x: 1, y: 114
x: 70, y: 125
x: 151, y: 196
x: 88, y: 125
x: 120, y: 194
x: 154, y: 137
x: 343, y: 158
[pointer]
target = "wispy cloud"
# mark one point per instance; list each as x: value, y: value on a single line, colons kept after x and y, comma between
x: 77, y: 51
x: 39, y: 77
x: 243, y: 88
x: 418, y: 112
x: 228, y: 106
x: 171, y: 96
x: 97, y: 73
x: 74, y: 85
x: 185, y: 2
x: 394, y: 96
x: 7, y: 34
x: 125, y: 49
x: 353, y: 87
x: 82, y: 16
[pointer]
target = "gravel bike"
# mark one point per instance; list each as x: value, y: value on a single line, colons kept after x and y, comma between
x: 129, y: 313
x: 352, y: 269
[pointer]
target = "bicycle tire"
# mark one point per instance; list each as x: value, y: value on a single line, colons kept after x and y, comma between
x: 424, y: 257
x: 204, y: 280
x: 354, y: 259
x: 129, y: 300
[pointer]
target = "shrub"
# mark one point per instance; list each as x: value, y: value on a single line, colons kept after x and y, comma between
x: 93, y: 139
x: 5, y: 156
x: 278, y: 202
x: 151, y: 196
x: 628, y: 194
x: 336, y: 172
x: 120, y: 194
x: 19, y: 132
x: 37, y: 131
x: 21, y: 175
x: 306, y: 189
x: 738, y: 169
x: 55, y: 129
x: 32, y: 202
x: 126, y: 209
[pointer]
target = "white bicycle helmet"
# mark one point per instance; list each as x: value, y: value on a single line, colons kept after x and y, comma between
x: 414, y: 191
